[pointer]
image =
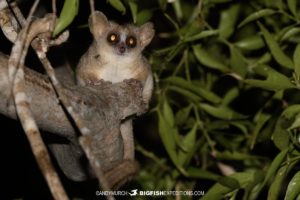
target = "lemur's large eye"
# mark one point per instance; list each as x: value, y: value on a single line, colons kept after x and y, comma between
x: 131, y: 41
x: 113, y: 38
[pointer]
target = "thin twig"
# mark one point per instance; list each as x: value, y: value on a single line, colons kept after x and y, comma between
x: 18, y: 14
x: 54, y: 11
x: 92, y: 5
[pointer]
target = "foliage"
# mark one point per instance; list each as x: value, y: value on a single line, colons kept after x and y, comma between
x: 227, y: 80
x: 68, y: 13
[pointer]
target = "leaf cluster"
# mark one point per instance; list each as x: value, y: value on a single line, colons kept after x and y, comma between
x: 227, y: 100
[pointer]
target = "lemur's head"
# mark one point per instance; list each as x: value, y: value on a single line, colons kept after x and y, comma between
x: 118, y: 39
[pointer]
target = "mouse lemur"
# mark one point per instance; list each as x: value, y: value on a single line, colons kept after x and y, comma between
x: 116, y: 55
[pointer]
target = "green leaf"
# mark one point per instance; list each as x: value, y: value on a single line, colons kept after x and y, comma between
x: 230, y: 96
x: 177, y: 9
x: 276, y: 186
x: 275, y: 81
x: 276, y: 50
x: 256, y: 15
x: 207, y: 60
x: 201, y: 35
x: 260, y: 119
x: 237, y: 61
x: 275, y: 164
x: 296, y: 58
x: 133, y: 9
x: 290, y: 33
x: 291, y: 111
x: 265, y: 58
x: 292, y: 4
x: 168, y: 134
x: 281, y: 136
x: 168, y: 112
x: 143, y: 16
x: 274, y: 190
x: 202, y: 92
x: 219, y: 191
x: 118, y: 5
x: 272, y: 170
x: 67, y: 15
x: 253, y: 42
x: 293, y: 190
x: 228, y: 20
x: 188, y: 143
x: 202, y: 174
x: 251, y: 188
x: 221, y: 112
x: 229, y: 182
x: 296, y: 123
x: 241, y: 126
x: 182, y: 115
x: 189, y: 95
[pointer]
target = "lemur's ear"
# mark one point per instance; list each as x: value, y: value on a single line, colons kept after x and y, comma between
x: 100, y: 24
x: 146, y: 33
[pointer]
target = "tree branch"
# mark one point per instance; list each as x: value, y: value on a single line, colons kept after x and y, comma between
x: 101, y: 106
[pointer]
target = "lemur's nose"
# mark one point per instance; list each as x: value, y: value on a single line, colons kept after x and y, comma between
x: 122, y: 48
